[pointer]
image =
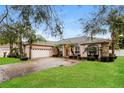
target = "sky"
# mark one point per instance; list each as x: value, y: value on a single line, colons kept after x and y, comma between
x: 70, y: 15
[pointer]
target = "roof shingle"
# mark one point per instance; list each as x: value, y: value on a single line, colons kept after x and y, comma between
x: 75, y: 40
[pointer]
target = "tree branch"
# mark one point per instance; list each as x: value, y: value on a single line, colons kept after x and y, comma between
x: 4, y: 15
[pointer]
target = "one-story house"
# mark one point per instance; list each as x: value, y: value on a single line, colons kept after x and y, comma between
x: 80, y: 44
x: 5, y: 50
x: 40, y: 49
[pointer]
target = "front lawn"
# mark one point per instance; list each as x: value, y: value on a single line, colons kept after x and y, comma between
x: 83, y: 75
x: 8, y: 60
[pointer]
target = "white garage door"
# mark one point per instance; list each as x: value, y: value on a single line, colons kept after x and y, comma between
x: 37, y: 53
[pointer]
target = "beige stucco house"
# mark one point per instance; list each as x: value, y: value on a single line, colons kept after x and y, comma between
x: 46, y: 49
x: 81, y: 43
x: 5, y: 49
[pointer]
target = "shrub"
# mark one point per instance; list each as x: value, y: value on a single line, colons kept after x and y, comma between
x: 24, y: 58
x: 9, y: 56
x: 78, y: 57
x: 107, y: 59
x: 115, y: 57
x: 91, y: 58
x: 70, y: 56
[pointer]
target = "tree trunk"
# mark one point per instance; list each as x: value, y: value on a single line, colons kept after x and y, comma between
x: 30, y: 53
x: 20, y: 47
x: 11, y: 47
x: 113, y: 48
x: 113, y: 43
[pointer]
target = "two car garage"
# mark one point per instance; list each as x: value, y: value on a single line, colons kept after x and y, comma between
x: 39, y: 51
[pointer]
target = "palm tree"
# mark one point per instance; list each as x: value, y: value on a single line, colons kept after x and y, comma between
x: 100, y: 23
x: 113, y: 29
x: 116, y: 26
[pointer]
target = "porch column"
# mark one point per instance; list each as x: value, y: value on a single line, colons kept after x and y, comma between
x: 63, y: 51
x: 27, y: 50
x: 99, y: 45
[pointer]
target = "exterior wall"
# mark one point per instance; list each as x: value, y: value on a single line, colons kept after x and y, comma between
x: 105, y: 50
x: 70, y: 53
x: 63, y: 47
x: 39, y: 51
x: 44, y: 50
x: 82, y: 49
x: 4, y: 49
x: 99, y: 45
x: 27, y: 50
x: 66, y: 50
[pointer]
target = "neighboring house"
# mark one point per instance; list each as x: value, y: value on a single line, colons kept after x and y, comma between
x: 5, y: 50
x: 45, y: 49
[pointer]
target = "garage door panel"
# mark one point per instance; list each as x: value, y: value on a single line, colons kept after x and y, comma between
x: 37, y: 53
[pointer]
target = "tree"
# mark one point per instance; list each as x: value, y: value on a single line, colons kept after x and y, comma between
x: 25, y: 19
x: 106, y: 19
x: 21, y: 34
x: 4, y: 15
x: 35, y: 15
x: 30, y: 16
x: 31, y: 38
x: 121, y: 42
x: 8, y: 36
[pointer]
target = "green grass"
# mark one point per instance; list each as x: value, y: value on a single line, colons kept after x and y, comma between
x: 8, y: 60
x: 84, y: 75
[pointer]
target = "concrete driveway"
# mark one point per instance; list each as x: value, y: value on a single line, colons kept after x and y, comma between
x: 10, y: 71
